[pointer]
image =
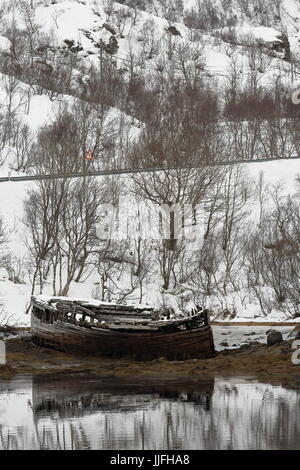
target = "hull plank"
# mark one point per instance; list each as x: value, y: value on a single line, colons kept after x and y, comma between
x: 181, y: 345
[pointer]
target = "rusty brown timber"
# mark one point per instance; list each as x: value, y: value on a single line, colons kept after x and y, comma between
x: 172, y: 340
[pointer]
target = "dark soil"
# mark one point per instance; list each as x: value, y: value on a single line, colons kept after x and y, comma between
x: 270, y: 364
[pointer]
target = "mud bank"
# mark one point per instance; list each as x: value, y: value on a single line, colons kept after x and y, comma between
x: 272, y: 364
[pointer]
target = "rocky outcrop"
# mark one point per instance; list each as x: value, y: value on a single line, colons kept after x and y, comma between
x: 274, y: 337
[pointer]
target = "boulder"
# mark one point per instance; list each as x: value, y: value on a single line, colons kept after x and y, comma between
x: 274, y: 337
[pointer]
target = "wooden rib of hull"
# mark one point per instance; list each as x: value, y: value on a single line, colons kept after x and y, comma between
x: 194, y: 343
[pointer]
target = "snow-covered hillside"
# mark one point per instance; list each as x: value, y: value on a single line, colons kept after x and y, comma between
x: 142, y: 38
x: 136, y: 83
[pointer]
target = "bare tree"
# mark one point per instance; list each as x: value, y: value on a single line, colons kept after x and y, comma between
x: 42, y: 213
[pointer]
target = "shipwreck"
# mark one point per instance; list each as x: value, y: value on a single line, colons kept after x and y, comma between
x: 118, y: 330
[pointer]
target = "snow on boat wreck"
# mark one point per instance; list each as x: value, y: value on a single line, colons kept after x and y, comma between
x: 108, y: 329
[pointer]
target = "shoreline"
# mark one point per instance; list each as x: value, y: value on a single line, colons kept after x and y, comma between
x: 212, y: 323
x: 258, y: 361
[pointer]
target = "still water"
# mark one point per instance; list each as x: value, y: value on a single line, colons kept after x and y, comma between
x: 88, y: 413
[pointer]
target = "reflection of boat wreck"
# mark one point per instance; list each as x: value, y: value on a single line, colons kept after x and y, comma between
x: 78, y: 396
x: 118, y: 330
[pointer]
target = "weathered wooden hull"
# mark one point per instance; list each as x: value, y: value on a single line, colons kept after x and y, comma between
x: 194, y: 343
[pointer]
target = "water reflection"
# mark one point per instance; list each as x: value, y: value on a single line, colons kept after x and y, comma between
x: 85, y: 413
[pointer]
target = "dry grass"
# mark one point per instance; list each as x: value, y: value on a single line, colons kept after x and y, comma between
x: 272, y: 364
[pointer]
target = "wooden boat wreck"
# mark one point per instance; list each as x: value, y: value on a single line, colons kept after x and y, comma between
x: 114, y: 330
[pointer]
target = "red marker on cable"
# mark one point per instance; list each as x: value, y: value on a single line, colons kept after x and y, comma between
x: 89, y: 155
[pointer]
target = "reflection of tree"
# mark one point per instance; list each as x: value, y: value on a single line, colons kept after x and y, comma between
x: 241, y: 416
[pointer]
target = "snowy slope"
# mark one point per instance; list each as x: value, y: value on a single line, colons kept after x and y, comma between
x: 85, y: 24
x: 15, y: 297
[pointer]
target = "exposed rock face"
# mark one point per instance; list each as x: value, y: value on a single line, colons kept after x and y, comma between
x: 173, y: 30
x: 287, y: 47
x: 42, y: 65
x: 274, y: 337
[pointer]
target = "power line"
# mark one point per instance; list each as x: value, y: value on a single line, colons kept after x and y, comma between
x: 222, y: 70
x: 128, y: 171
